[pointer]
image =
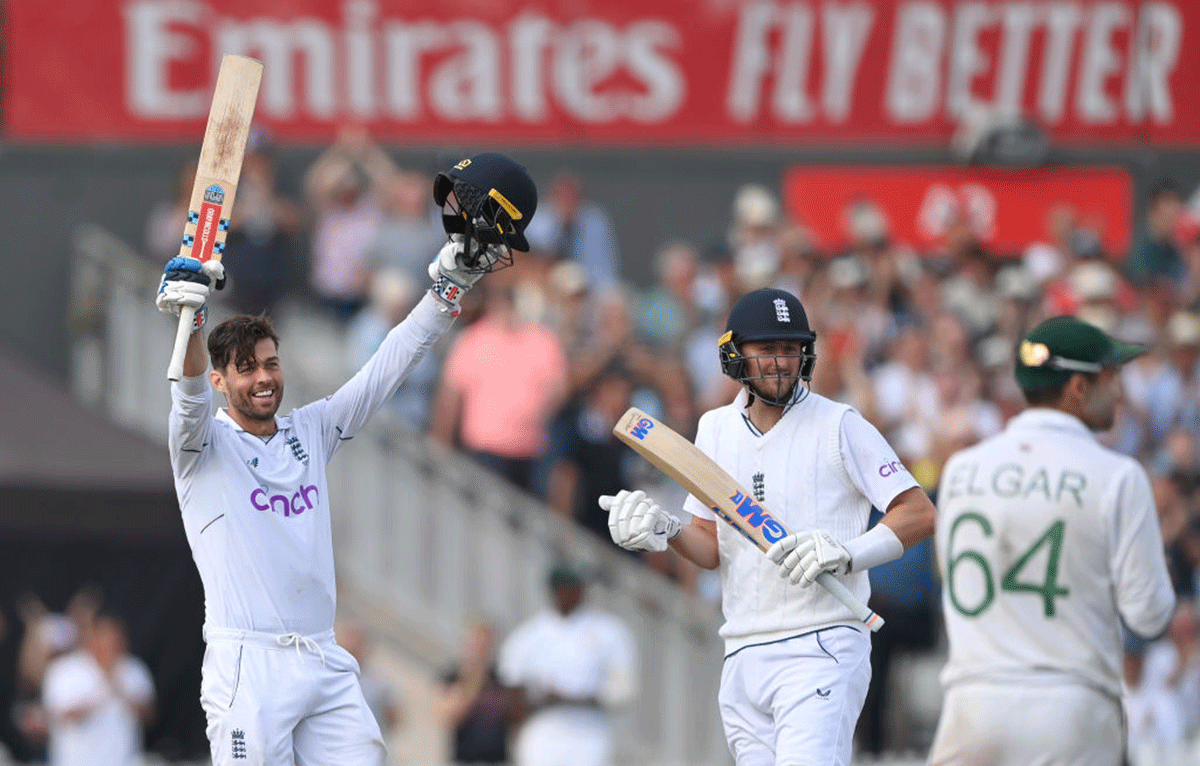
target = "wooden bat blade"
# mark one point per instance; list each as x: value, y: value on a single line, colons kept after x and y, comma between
x: 217, y: 174
x: 699, y: 474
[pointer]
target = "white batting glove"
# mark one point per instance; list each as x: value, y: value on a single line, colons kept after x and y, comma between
x: 803, y: 556
x: 453, y: 277
x: 185, y: 283
x: 637, y: 523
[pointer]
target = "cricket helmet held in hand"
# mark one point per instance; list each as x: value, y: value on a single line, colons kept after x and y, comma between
x: 495, y: 197
x: 765, y: 315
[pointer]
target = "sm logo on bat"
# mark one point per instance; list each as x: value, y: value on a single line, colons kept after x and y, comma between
x: 641, y: 428
x: 756, y: 516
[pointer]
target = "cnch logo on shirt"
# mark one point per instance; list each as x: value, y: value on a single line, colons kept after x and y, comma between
x: 294, y: 504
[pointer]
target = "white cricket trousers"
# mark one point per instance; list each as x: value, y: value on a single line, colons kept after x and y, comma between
x: 1028, y: 724
x: 795, y: 702
x: 286, y: 700
x: 565, y: 736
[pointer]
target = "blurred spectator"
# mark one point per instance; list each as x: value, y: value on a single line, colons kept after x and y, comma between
x: 393, y: 294
x: 668, y: 310
x: 906, y: 401
x: 588, y: 460
x: 480, y: 712
x: 753, y: 237
x: 97, y: 700
x: 410, y: 233
x: 503, y: 380
x: 379, y: 692
x: 568, y: 226
x: 1164, y: 704
x: 261, y: 250
x: 164, y: 224
x: 344, y: 187
x: 264, y: 233
x: 575, y: 665
x: 1154, y: 258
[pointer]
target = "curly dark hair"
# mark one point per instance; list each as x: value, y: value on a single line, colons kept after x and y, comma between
x: 234, y: 340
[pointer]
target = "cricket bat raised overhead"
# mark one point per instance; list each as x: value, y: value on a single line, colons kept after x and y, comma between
x: 699, y: 474
x: 217, y: 177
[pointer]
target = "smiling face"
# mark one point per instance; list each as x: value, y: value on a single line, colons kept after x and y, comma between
x: 772, y: 367
x: 253, y: 387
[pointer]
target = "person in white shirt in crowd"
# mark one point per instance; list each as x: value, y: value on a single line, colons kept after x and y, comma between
x: 1047, y: 542
x: 276, y: 687
x: 796, y: 660
x: 576, y: 664
x: 97, y: 700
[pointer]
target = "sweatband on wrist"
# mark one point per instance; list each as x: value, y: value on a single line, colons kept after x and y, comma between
x: 449, y: 291
x: 878, y: 545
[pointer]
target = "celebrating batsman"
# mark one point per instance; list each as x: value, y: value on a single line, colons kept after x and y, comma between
x: 796, y: 659
x: 276, y: 688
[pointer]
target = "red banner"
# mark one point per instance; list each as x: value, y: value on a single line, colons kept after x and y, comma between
x: 1008, y: 209
x: 610, y: 71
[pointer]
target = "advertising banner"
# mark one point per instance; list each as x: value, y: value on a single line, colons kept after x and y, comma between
x: 605, y: 72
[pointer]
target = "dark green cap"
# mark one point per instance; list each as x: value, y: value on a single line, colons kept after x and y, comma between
x: 1063, y: 345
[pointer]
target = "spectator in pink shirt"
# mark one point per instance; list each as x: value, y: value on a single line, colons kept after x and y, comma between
x: 503, y: 380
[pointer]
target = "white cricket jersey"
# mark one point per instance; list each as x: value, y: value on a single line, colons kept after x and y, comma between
x: 822, y: 466
x: 257, y: 510
x: 1046, y: 540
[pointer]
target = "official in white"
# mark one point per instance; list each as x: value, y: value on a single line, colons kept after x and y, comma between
x: 97, y: 699
x: 796, y: 659
x: 1047, y: 541
x: 276, y: 688
x: 575, y: 664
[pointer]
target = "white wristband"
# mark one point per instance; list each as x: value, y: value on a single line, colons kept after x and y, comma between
x: 878, y: 545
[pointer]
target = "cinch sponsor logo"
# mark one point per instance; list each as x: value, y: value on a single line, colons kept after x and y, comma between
x: 890, y: 469
x: 297, y: 503
x: 641, y: 428
x: 757, y: 517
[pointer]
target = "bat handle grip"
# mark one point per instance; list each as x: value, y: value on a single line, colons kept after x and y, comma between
x: 187, y: 316
x: 863, y: 612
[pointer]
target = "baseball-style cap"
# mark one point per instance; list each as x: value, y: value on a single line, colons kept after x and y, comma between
x: 1063, y: 345
x: 564, y: 575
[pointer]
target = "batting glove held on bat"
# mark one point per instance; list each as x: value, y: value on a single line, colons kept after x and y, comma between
x: 453, y: 273
x: 803, y: 556
x: 185, y: 283
x: 637, y: 523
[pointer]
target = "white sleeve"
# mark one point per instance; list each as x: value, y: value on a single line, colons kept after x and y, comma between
x: 189, y: 423
x: 621, y: 679
x: 345, y: 412
x: 510, y: 660
x: 1145, y: 596
x: 871, y: 463
x: 137, y: 685
x: 704, y: 440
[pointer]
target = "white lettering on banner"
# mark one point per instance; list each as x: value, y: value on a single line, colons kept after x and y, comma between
x: 967, y: 59
x: 458, y: 70
x: 791, y: 62
x: 1018, y: 20
x: 1099, y: 62
x: 844, y: 32
x: 913, y: 75
x: 1156, y: 49
x: 360, y: 58
x: 151, y: 45
x: 844, y: 28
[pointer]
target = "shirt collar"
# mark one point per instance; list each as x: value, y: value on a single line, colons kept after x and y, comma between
x: 281, y: 421
x: 1050, y: 419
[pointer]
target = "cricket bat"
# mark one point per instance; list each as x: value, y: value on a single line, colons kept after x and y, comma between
x: 217, y: 177
x: 710, y: 484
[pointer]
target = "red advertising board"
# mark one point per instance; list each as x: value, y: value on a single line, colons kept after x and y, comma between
x: 1009, y: 209
x: 610, y: 71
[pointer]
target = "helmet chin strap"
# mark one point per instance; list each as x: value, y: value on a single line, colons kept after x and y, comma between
x: 794, y: 394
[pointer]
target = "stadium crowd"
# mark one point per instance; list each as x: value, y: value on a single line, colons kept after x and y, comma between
x: 919, y: 337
